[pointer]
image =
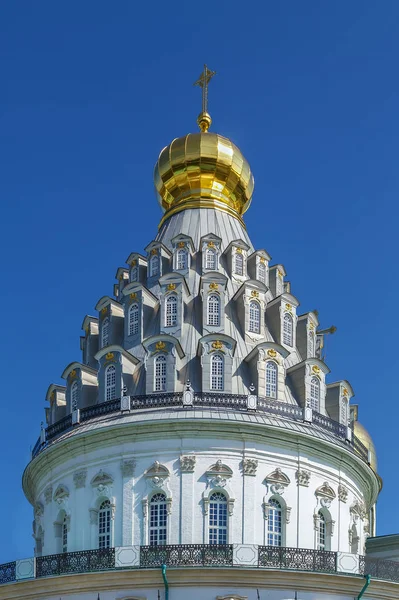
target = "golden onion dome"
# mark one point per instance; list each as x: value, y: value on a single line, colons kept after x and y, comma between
x: 364, y: 436
x: 203, y: 170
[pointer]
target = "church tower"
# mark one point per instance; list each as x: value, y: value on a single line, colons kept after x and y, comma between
x: 200, y: 445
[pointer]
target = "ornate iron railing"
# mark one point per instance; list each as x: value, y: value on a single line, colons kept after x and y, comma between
x: 282, y: 409
x: 155, y: 400
x: 301, y: 559
x: 85, y: 561
x: 329, y: 424
x: 98, y: 410
x: 59, y: 427
x: 7, y: 572
x: 215, y: 400
x: 379, y: 568
x: 187, y: 555
x: 360, y: 448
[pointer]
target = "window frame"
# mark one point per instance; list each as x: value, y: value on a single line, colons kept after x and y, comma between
x: 254, y: 317
x: 288, y: 330
x: 180, y: 253
x: 74, y: 396
x: 271, y: 368
x: 321, y: 532
x: 274, y: 533
x: 64, y: 535
x: 211, y: 265
x: 217, y: 373
x: 261, y: 266
x: 171, y: 315
x: 158, y: 511
x: 104, y: 525
x: 315, y: 393
x: 211, y: 313
x: 105, y: 325
x: 110, y: 383
x: 218, y: 512
x: 154, y: 270
x: 238, y: 264
x: 133, y: 319
x: 160, y: 374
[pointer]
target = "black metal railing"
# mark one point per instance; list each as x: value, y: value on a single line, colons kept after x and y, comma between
x: 86, y: 561
x: 187, y: 555
x: 300, y: 559
x: 379, y: 568
x: 237, y: 402
x: 7, y: 572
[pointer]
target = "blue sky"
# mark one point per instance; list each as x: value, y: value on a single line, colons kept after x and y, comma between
x: 92, y: 91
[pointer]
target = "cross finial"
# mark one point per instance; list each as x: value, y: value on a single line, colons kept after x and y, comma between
x: 204, y: 120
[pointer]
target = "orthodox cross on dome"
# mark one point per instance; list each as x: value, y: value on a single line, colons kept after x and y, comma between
x: 204, y: 120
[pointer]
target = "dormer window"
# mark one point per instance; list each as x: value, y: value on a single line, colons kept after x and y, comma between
x: 133, y: 319
x: 210, y: 259
x: 288, y: 330
x: 239, y: 263
x: 171, y: 311
x: 134, y: 274
x: 217, y: 373
x: 160, y: 374
x: 105, y: 332
x: 213, y: 310
x: 254, y: 317
x: 344, y: 411
x: 315, y: 394
x: 74, y: 396
x: 110, y: 382
x: 154, y: 265
x: 279, y: 283
x: 271, y: 379
x: 311, y: 343
x: 181, y: 259
x: 261, y: 272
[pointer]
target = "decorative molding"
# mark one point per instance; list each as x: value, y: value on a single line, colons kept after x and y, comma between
x: 38, y: 510
x: 342, y: 493
x: 218, y: 474
x: 187, y: 463
x: 272, y: 353
x: 102, y: 478
x: 249, y: 466
x: 127, y: 467
x: 61, y: 494
x: 302, y: 477
x: 217, y: 345
x: 157, y: 476
x: 278, y: 481
x: 79, y: 478
x: 358, y: 509
x: 48, y: 494
x: 160, y: 346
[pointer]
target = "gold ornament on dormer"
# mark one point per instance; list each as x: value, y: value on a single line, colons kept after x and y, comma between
x: 239, y: 250
x: 255, y: 294
x: 311, y: 326
x: 213, y: 286
x: 217, y: 345
x: 109, y: 356
x: 181, y: 245
x: 279, y: 273
x: 288, y: 307
x: 211, y: 245
x: 72, y: 374
x: 154, y: 251
x: 316, y: 369
x: 262, y: 260
x: 345, y: 392
x: 133, y: 263
x: 104, y: 311
x: 171, y: 287
x: 133, y: 296
x: 159, y: 346
x: 272, y: 353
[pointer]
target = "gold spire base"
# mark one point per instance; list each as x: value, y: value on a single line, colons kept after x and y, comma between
x: 204, y: 121
x: 202, y: 203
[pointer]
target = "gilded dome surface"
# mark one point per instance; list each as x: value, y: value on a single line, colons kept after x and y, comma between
x: 203, y: 170
x: 364, y: 436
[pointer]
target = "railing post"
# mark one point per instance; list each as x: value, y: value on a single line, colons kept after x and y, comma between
x: 76, y: 417
x: 252, y: 399
x: 42, y: 434
x: 188, y: 395
x: 125, y: 404
x: 349, y: 434
x: 307, y: 414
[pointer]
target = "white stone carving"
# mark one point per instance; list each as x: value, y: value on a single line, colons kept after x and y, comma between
x: 48, y: 494
x: 127, y: 467
x: 79, y: 478
x: 249, y: 466
x: 61, y: 494
x: 302, y: 477
x: 342, y: 493
x: 277, y: 481
x: 187, y: 463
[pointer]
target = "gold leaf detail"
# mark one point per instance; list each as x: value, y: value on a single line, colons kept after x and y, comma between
x: 262, y: 260
x: 279, y: 273
x: 160, y: 346
x: 218, y: 345
x: 72, y: 374
x: 181, y: 245
x: 316, y: 369
x: 104, y: 311
x: 213, y: 286
x: 272, y: 353
x: 154, y: 251
x: 211, y: 244
x: 311, y: 326
x: 133, y: 296
x: 239, y: 250
x: 171, y: 287
x: 288, y: 306
x: 255, y: 294
x: 133, y: 263
x: 109, y: 356
x: 346, y: 393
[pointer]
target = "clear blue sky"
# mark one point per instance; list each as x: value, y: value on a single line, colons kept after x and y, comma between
x: 91, y: 92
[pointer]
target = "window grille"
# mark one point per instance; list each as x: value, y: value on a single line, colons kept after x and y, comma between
x: 288, y: 327
x: 105, y: 332
x: 210, y: 259
x: 218, y: 518
x: 274, y: 523
x: 279, y: 284
x: 321, y: 532
x: 271, y: 379
x: 158, y: 520
x: 254, y: 317
x: 134, y: 274
x: 133, y: 319
x: 160, y: 374
x: 217, y: 372
x: 104, y: 525
x: 213, y: 312
x: 74, y: 396
x: 110, y: 382
x: 344, y: 411
x: 310, y: 343
x: 315, y: 394
x: 181, y: 260
x: 238, y: 264
x: 262, y: 272
x: 154, y: 265
x: 65, y: 535
x: 171, y: 311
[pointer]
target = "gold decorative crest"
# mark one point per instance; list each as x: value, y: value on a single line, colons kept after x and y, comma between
x: 211, y: 245
x: 154, y: 251
x: 104, y: 311
x: 217, y: 345
x: 272, y: 353
x: 133, y: 296
x: 255, y: 294
x: 345, y: 392
x: 311, y: 326
x: 288, y: 306
x: 262, y: 260
x: 279, y: 273
x: 109, y: 356
x: 133, y: 263
x: 171, y: 287
x: 238, y: 250
x: 316, y: 369
x: 213, y: 286
x: 181, y: 245
x: 72, y: 374
x: 160, y: 346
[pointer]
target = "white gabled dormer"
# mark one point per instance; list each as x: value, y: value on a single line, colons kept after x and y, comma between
x: 250, y: 300
x: 174, y: 296
x: 213, y: 292
x: 258, y: 266
x: 183, y: 249
x: 276, y: 279
x: 306, y: 334
x: 137, y: 267
x: 211, y: 252
x: 158, y: 262
x: 122, y: 275
x: 81, y: 387
x: 236, y: 255
x: 308, y: 380
x: 116, y: 373
x: 140, y: 308
x: 89, y: 342
x: 338, y: 399
x: 111, y: 317
x: 266, y: 363
x: 56, y: 396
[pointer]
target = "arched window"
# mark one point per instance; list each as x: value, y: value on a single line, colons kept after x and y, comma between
x: 133, y: 319
x: 274, y: 523
x: 154, y: 265
x: 238, y: 264
x: 279, y: 284
x: 321, y: 532
x: 181, y: 262
x: 64, y: 533
x: 160, y: 374
x: 310, y: 343
x: 210, y: 259
x: 262, y: 272
x: 104, y: 525
x: 254, y: 317
x: 110, y: 382
x: 158, y: 520
x: 217, y: 372
x: 288, y: 330
x: 171, y: 310
x: 315, y: 394
x: 74, y: 396
x: 213, y: 312
x: 344, y: 411
x: 217, y: 518
x: 271, y: 379
x: 134, y: 274
x: 105, y: 332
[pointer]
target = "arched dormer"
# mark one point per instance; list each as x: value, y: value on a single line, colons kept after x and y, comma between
x: 147, y: 307
x: 56, y: 396
x: 162, y: 374
x: 174, y: 295
x: 90, y: 341
x: 81, y: 388
x: 236, y: 255
x: 211, y: 252
x: 116, y: 373
x: 111, y: 319
x: 258, y: 266
x: 213, y: 293
x: 268, y: 384
x: 216, y: 352
x: 137, y: 267
x: 338, y: 397
x: 306, y: 378
x: 183, y: 249
x: 158, y: 260
x: 250, y: 300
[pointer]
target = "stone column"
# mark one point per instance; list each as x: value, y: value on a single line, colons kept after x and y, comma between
x: 187, y: 466
x: 127, y: 469
x: 249, y: 533
x: 79, y: 534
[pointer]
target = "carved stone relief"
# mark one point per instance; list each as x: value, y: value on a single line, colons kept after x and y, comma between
x: 302, y: 477
x: 187, y: 463
x: 79, y: 478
